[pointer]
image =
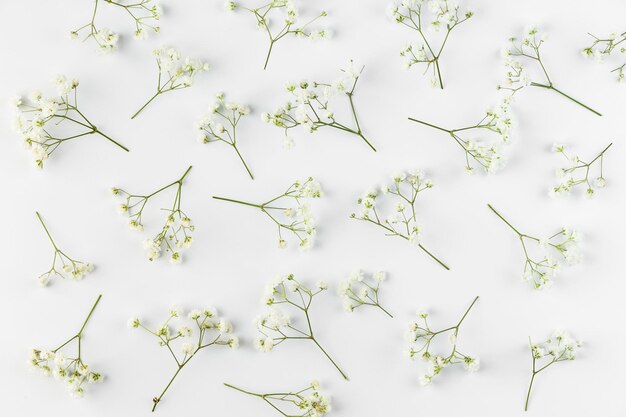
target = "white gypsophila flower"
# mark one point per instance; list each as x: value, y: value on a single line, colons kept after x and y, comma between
x: 290, y: 213
x: 578, y: 173
x: 311, y: 105
x: 404, y: 188
x: 603, y: 48
x: 360, y: 289
x: 200, y: 329
x: 175, y: 234
x: 420, y: 337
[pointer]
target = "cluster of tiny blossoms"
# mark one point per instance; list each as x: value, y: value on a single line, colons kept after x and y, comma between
x: 402, y: 222
x: 175, y: 233
x: 175, y: 73
x: 38, y: 120
x: 275, y: 325
x: 602, y: 48
x: 310, y: 106
x: 420, y: 336
x: 286, y: 13
x: 487, y: 155
x: 220, y: 124
x: 72, y: 267
x: 517, y: 75
x: 560, y: 347
x: 360, y: 289
x: 72, y: 371
x: 145, y: 13
x: 307, y: 402
x: 540, y: 269
x: 578, y: 173
x: 444, y: 14
x: 296, y: 220
x: 210, y: 330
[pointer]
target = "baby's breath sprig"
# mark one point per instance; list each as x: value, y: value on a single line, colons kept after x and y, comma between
x: 37, y: 120
x: 215, y: 131
x: 310, y: 106
x: 420, y: 336
x: 174, y: 73
x: 362, y: 290
x: 71, y: 370
x: 275, y: 326
x: 308, y: 402
x: 602, y: 48
x: 516, y: 75
x: 212, y: 330
x: 541, y: 272
x: 72, y: 267
x: 487, y: 155
x: 176, y: 232
x: 290, y: 13
x: 145, y: 14
x: 569, y: 178
x: 403, y: 222
x: 560, y: 347
x: 413, y: 14
x: 296, y: 220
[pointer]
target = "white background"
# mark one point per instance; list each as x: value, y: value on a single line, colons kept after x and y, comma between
x: 235, y: 252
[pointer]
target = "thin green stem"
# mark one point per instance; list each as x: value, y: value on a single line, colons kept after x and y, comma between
x: 146, y: 105
x: 47, y: 232
x: 156, y: 400
x: 238, y: 202
x: 504, y: 220
x: 552, y: 87
x: 330, y: 359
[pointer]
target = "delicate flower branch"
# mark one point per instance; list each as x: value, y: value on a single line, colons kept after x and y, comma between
x: 70, y: 370
x: 212, y: 330
x: 403, y: 222
x: 275, y: 325
x: 308, y: 402
x: 176, y: 232
x: 568, y: 177
x: 487, y: 155
x: 290, y: 14
x: 310, y: 106
x: 602, y: 48
x: 541, y: 270
x: 413, y: 14
x: 37, y: 120
x: 145, y: 14
x: 213, y: 131
x: 362, y: 290
x: 174, y: 73
x: 74, y: 268
x: 420, y: 336
x: 296, y: 220
x: 516, y: 74
x: 561, y: 347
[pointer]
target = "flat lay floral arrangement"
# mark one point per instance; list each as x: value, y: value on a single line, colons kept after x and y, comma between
x: 376, y: 216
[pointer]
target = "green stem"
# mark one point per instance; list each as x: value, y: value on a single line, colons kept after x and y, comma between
x: 551, y: 87
x: 383, y: 309
x: 269, y: 52
x: 438, y: 70
x: 433, y: 256
x: 145, y: 105
x: 329, y: 358
x: 237, y: 201
x: 108, y: 138
x: 243, y: 162
x: 430, y: 125
x: 46, y: 229
x: 80, y: 332
x: 242, y: 390
x: 530, y: 386
x: 504, y: 220
x: 156, y: 400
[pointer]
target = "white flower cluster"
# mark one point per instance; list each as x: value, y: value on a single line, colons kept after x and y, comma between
x: 362, y: 290
x: 560, y: 347
x: 71, y: 371
x: 175, y: 233
x: 402, y: 221
x: 210, y: 330
x: 285, y: 12
x: 38, y: 120
x: 420, y: 336
x: 310, y: 106
x: 73, y: 268
x: 542, y: 268
x: 175, y: 73
x: 517, y: 75
x: 414, y: 14
x: 220, y: 124
x: 275, y: 325
x: 602, y: 48
x: 296, y: 220
x: 307, y: 402
x: 145, y: 14
x: 568, y: 177
x: 488, y: 155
